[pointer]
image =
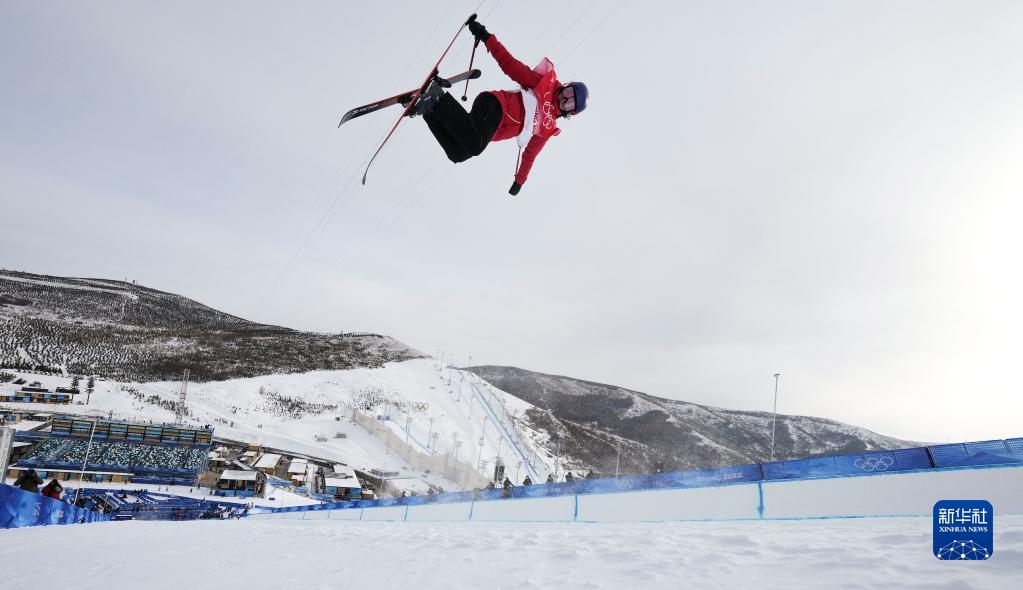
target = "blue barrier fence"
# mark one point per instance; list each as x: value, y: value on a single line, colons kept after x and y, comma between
x: 144, y: 505
x: 914, y: 459
x: 19, y: 508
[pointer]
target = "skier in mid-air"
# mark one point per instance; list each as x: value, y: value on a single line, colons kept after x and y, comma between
x: 530, y: 115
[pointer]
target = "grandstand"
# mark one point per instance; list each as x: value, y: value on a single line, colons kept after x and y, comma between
x: 114, y: 450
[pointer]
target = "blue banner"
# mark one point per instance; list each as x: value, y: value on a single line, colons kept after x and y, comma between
x: 1015, y: 446
x: 872, y: 462
x: 991, y: 452
x: 19, y: 508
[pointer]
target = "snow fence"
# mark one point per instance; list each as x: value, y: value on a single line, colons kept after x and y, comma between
x: 904, y: 482
x: 19, y: 508
x: 460, y: 472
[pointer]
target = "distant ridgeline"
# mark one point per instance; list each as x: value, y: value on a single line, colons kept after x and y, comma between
x: 128, y: 332
x: 120, y: 451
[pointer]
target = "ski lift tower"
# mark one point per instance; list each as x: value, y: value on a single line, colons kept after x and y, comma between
x: 179, y: 413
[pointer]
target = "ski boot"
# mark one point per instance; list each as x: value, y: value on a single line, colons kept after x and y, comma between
x: 428, y: 98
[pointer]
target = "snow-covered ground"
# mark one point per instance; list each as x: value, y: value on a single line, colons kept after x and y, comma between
x: 250, y: 410
x: 854, y: 553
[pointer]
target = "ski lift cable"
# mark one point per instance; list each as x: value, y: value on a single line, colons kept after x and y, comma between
x: 593, y: 30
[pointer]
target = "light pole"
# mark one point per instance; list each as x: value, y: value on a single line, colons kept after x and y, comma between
x: 481, y: 443
x: 557, y: 460
x: 774, y: 420
x: 618, y: 459
x: 85, y: 461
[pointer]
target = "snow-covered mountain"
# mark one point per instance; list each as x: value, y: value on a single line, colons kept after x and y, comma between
x: 590, y: 420
x: 128, y: 332
x: 294, y: 390
x: 422, y: 422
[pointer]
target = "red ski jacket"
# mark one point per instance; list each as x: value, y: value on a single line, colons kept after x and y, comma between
x: 53, y: 491
x: 514, y: 111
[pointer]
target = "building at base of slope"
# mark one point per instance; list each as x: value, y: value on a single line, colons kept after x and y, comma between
x: 240, y: 483
x: 343, y: 484
x: 38, y: 395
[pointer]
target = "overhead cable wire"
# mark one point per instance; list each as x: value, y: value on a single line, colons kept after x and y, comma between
x: 571, y: 25
x: 324, y: 218
x: 440, y: 21
x: 466, y: 42
x: 333, y: 208
x: 550, y: 25
x: 594, y: 30
x: 403, y: 211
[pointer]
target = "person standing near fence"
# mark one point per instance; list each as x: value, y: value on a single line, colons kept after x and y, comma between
x: 29, y: 481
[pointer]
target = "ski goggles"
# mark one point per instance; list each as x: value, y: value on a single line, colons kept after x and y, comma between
x: 568, y: 95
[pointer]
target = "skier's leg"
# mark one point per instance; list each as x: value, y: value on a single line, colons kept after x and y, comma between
x: 486, y: 114
x: 463, y: 128
x: 452, y: 149
x: 441, y: 127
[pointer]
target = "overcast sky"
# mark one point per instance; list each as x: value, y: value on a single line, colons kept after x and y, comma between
x: 829, y: 190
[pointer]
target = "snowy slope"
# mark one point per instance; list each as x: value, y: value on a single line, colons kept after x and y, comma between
x: 290, y: 411
x: 785, y: 555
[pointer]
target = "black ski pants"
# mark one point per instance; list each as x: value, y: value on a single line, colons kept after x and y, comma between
x: 461, y: 134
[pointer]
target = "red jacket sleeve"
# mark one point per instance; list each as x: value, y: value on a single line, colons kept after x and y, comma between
x: 533, y: 148
x: 515, y: 69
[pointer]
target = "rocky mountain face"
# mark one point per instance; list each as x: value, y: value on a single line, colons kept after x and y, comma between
x: 590, y: 422
x: 128, y: 332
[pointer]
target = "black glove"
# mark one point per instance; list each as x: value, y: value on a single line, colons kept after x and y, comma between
x: 479, y: 31
x: 514, y: 190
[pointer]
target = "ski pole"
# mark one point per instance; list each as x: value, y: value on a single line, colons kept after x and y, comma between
x: 472, y: 58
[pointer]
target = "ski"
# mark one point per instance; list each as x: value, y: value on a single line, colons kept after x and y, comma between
x: 403, y: 98
x: 433, y: 72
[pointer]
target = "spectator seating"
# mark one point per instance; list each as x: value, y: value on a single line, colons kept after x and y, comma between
x: 124, y: 455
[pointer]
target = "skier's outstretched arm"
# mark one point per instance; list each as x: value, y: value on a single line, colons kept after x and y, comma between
x: 533, y: 148
x: 515, y: 69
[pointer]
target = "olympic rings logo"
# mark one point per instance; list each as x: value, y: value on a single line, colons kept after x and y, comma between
x: 548, y: 111
x: 875, y: 463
